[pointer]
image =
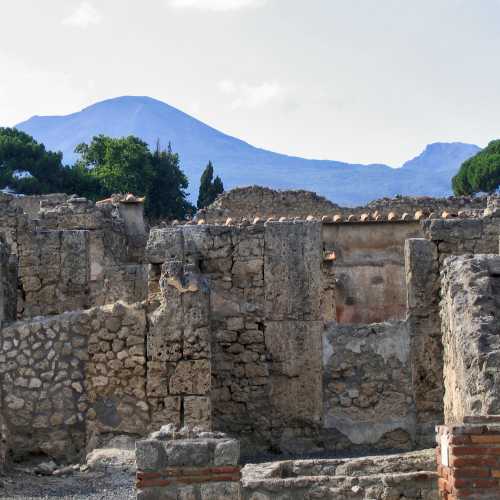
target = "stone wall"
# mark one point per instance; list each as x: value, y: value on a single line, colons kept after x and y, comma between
x: 424, y: 261
x: 31, y: 204
x: 368, y: 393
x: 69, y: 380
x: 469, y: 310
x: 257, y: 201
x: 369, y: 270
x: 54, y: 272
x: 8, y: 283
x: 265, y: 330
x: 113, y: 252
x: 426, y: 348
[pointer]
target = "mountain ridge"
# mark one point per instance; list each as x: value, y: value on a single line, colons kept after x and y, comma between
x: 241, y: 164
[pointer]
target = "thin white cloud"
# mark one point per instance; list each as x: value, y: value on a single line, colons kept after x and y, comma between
x: 84, y: 16
x: 248, y: 96
x: 217, y: 5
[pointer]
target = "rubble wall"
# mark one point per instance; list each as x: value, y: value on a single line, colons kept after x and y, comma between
x: 469, y: 310
x: 69, y: 380
x: 367, y: 384
x: 369, y: 269
x: 256, y: 201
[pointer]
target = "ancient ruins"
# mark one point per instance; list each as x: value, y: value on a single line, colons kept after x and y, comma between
x: 275, y: 327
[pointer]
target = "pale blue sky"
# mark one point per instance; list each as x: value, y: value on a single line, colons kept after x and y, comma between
x: 351, y: 80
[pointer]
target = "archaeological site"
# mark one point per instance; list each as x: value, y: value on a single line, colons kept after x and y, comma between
x: 276, y: 346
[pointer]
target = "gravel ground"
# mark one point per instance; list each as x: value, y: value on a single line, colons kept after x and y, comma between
x: 114, y: 485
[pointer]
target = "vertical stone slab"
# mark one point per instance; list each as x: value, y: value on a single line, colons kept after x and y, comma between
x: 8, y: 284
x: 292, y: 271
x: 178, y: 340
x: 296, y: 374
x: 293, y: 328
x: 422, y: 282
x: 75, y: 269
x: 469, y: 308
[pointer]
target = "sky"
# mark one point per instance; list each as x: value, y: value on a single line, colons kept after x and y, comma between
x: 369, y: 81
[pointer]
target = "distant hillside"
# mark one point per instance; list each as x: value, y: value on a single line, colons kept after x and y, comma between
x: 239, y: 163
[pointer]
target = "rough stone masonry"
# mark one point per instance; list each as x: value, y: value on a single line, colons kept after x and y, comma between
x: 295, y: 336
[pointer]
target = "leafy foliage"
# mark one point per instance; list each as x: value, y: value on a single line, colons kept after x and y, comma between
x: 210, y: 188
x: 106, y: 166
x: 26, y: 167
x: 481, y: 173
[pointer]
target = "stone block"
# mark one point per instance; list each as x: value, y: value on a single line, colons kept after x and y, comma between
x: 191, y: 377
x: 197, y: 412
x: 227, y: 452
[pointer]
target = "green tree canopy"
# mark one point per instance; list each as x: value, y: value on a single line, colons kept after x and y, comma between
x: 126, y: 165
x: 481, y: 173
x: 27, y: 167
x: 106, y: 165
x: 210, y: 188
x: 121, y: 165
x: 166, y: 196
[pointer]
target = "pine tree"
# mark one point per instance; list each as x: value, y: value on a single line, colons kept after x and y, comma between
x: 210, y: 188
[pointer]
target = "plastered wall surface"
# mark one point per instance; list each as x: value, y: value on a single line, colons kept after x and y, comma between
x: 369, y: 269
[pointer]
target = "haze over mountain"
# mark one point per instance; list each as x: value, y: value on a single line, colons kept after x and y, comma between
x: 239, y: 163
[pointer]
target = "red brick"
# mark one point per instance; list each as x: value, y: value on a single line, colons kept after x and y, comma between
x: 147, y: 483
x: 466, y: 472
x: 485, y: 439
x: 461, y: 439
x: 473, y: 461
x: 474, y: 450
x: 473, y: 483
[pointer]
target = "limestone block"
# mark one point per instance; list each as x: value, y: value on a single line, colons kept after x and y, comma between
x: 191, y: 377
x: 197, y: 412
x: 227, y: 452
x: 220, y: 491
x: 292, y: 272
x: 296, y: 372
x: 165, y: 411
x: 165, y: 244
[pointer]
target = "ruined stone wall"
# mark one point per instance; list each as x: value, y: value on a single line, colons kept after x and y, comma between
x: 367, y: 384
x: 257, y: 201
x: 469, y: 310
x: 30, y: 205
x: 70, y: 380
x: 369, y: 269
x: 426, y: 348
x: 428, y: 204
x: 54, y: 272
x: 61, y: 271
x: 424, y: 261
x: 265, y: 329
x: 8, y: 283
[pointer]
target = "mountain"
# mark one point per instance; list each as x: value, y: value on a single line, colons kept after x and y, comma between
x: 239, y: 163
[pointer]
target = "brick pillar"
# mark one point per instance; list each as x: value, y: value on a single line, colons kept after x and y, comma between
x: 171, y: 466
x: 468, y: 458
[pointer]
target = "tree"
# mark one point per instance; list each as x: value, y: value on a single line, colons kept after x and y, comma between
x: 481, y: 173
x: 126, y: 165
x: 121, y: 165
x: 27, y: 167
x: 210, y: 188
x: 166, y: 196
